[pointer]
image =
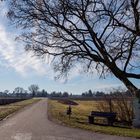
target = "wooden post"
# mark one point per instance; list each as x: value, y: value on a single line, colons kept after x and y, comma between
x: 69, y: 111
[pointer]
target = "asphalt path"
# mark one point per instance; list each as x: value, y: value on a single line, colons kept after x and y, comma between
x: 31, y: 123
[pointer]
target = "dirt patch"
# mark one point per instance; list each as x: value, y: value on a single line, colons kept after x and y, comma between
x: 67, y: 102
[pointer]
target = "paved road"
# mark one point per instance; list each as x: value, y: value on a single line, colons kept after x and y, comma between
x: 32, y: 124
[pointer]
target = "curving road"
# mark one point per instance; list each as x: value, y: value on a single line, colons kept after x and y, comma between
x: 32, y: 124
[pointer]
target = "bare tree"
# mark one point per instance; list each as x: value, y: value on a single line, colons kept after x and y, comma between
x: 119, y: 103
x: 19, y: 90
x: 33, y: 89
x: 6, y: 91
x: 97, y: 34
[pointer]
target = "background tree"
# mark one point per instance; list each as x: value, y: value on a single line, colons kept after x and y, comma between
x: 6, y: 91
x: 65, y: 94
x: 118, y: 101
x: 33, y: 89
x: 19, y: 90
x: 44, y: 93
x: 97, y: 34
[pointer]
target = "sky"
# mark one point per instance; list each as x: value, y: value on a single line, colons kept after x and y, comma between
x: 20, y: 69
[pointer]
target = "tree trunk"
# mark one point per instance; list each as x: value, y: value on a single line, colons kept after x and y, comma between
x: 136, y: 101
x: 136, y: 108
x: 135, y: 93
x: 122, y: 77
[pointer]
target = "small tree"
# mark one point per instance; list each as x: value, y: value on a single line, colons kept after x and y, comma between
x: 65, y: 94
x: 44, y: 93
x: 33, y: 89
x: 118, y: 102
x: 19, y: 90
x: 6, y: 91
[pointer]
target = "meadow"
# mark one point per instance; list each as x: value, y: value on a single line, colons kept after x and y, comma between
x: 79, y: 118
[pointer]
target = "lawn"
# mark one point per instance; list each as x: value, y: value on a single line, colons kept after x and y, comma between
x: 6, y: 110
x: 79, y: 118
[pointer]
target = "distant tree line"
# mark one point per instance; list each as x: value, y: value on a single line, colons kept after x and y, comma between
x: 114, y: 92
x: 60, y: 94
x: 90, y: 93
x: 33, y: 91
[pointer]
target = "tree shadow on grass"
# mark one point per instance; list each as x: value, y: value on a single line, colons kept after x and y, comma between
x: 101, y: 124
x: 115, y: 125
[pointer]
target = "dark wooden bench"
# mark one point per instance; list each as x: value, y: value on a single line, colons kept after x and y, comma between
x: 111, y: 116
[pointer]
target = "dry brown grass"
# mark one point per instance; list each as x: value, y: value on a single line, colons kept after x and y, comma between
x: 8, y: 109
x: 79, y: 118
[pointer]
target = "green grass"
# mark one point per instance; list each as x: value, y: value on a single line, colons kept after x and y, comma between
x: 6, y: 110
x: 79, y: 118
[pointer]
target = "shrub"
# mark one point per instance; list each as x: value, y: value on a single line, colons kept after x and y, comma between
x: 120, y: 104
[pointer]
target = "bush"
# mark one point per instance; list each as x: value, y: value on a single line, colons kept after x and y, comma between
x: 120, y: 104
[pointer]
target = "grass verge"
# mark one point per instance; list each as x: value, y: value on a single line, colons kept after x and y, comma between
x: 79, y: 118
x: 6, y: 110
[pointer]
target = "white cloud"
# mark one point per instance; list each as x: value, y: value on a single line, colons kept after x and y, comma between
x: 108, y: 87
x: 13, y: 55
x: 3, y: 8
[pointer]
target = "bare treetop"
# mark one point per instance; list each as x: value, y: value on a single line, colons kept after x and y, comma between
x: 98, y: 34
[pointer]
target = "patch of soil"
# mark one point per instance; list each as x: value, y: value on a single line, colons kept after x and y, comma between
x: 67, y: 102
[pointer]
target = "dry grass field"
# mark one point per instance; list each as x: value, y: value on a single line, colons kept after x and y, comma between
x: 79, y: 118
x: 8, y: 109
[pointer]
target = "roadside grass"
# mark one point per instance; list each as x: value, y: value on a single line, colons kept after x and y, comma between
x: 79, y: 118
x: 6, y: 110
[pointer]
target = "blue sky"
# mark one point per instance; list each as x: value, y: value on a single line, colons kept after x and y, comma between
x: 18, y: 68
